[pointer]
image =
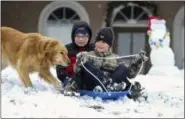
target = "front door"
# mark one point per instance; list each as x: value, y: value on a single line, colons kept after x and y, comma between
x: 130, y: 41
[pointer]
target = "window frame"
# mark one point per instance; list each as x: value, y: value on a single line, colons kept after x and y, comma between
x: 77, y: 7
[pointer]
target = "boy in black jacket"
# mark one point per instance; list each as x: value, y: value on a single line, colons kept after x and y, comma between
x: 81, y: 37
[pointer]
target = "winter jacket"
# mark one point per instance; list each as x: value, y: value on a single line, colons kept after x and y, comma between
x: 108, y: 66
x: 73, y: 49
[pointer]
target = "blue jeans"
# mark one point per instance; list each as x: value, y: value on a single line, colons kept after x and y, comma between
x: 66, y: 81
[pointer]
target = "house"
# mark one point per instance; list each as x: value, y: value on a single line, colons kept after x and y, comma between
x: 128, y: 18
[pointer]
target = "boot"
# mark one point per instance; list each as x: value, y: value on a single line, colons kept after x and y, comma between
x: 136, y: 91
x: 116, y: 86
x: 98, y: 89
x: 120, y: 86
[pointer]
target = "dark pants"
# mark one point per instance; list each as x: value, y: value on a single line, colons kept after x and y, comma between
x: 89, y: 82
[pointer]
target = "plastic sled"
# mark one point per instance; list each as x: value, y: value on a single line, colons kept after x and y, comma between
x: 105, y: 95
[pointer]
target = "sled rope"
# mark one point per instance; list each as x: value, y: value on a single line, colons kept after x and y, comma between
x: 140, y: 68
x: 118, y: 57
x: 110, y: 58
x: 137, y: 73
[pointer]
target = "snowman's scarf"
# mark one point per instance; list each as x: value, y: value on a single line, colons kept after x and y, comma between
x: 158, y: 43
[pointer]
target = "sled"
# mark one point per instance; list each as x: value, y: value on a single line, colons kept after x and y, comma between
x: 105, y: 95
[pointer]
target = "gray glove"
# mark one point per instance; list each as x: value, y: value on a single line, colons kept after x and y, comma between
x: 142, y: 55
x: 81, y: 57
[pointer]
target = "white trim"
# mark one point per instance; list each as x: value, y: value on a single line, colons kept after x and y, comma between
x: 177, y: 35
x: 57, y: 4
x: 115, y: 12
x: 116, y: 24
x: 117, y: 9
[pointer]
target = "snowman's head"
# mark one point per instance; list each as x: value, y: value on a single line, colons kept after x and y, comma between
x: 158, y: 35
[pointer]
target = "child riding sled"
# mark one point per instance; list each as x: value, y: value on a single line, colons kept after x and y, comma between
x: 105, y: 72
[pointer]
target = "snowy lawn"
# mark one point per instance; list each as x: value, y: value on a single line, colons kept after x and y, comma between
x: 166, y: 99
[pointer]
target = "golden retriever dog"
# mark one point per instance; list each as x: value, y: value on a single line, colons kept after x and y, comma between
x: 28, y: 52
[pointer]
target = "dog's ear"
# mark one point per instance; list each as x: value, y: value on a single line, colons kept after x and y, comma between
x: 51, y: 44
x: 48, y: 44
x: 46, y: 53
x: 44, y: 58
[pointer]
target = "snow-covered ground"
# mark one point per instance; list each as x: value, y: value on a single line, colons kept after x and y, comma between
x: 166, y: 99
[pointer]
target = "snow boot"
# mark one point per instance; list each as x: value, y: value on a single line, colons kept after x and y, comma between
x: 136, y: 92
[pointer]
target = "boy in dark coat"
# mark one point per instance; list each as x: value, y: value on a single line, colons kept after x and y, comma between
x: 111, y: 73
x: 81, y: 37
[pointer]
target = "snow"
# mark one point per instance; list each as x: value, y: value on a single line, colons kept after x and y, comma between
x: 166, y: 99
x: 164, y: 85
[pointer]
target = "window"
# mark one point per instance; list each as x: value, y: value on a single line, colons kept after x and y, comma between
x: 63, y: 15
x: 57, y: 18
x: 130, y: 15
x: 60, y: 23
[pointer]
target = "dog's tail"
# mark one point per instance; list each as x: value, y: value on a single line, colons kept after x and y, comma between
x: 4, y: 60
x: 3, y: 42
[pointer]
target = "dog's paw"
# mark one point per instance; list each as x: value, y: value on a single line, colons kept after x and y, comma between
x: 68, y: 93
x: 59, y: 86
x: 61, y: 90
x: 71, y: 93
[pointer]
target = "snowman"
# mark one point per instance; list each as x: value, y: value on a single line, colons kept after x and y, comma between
x: 161, y: 55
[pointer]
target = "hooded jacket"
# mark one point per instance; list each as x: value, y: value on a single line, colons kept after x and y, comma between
x: 73, y: 49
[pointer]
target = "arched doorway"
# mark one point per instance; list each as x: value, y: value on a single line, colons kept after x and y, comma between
x: 57, y: 18
x: 130, y: 23
x: 178, y: 38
